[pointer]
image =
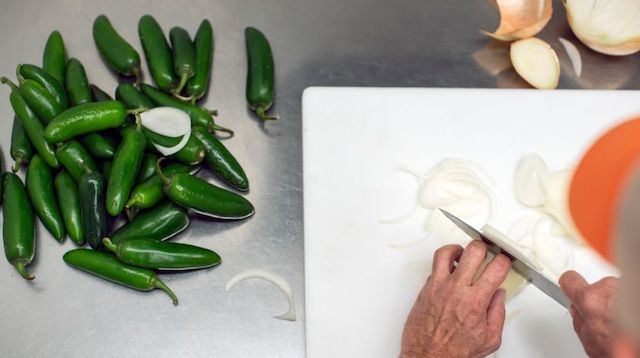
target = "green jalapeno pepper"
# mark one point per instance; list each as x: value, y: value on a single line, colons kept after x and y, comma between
x: 149, y: 192
x: 115, y: 50
x: 153, y: 254
x: 203, y: 42
x: 69, y: 201
x: 193, y: 152
x: 54, y: 58
x: 108, y: 267
x: 126, y: 164
x: 20, y: 236
x: 32, y: 125
x: 99, y: 95
x: 221, y: 161
x: 157, y: 52
x: 40, y: 188
x: 85, y: 118
x: 97, y: 145
x: 76, y: 83
x: 21, y: 147
x: 199, y: 116
x: 159, y: 223
x: 40, y: 100
x: 55, y: 87
x: 197, y: 194
x: 184, y: 56
x: 92, y: 209
x: 75, y: 159
x: 132, y: 98
x: 147, y: 167
x: 260, y: 73
x: 106, y: 168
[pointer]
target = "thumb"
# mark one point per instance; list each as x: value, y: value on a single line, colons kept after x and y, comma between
x: 496, y: 311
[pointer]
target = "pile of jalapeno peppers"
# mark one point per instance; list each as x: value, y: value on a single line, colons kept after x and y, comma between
x: 89, y: 161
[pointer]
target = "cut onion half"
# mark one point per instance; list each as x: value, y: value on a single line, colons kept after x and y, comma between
x: 611, y: 27
x: 536, y: 62
x: 574, y: 55
x: 520, y: 19
x: 169, y: 122
x: 277, y: 280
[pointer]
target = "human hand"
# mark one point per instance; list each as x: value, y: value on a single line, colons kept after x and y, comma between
x: 453, y: 316
x: 592, y: 312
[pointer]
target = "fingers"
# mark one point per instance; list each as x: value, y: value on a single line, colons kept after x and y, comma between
x: 496, y: 311
x: 493, y: 275
x: 443, y: 260
x: 572, y: 283
x: 472, y: 257
x: 577, y: 319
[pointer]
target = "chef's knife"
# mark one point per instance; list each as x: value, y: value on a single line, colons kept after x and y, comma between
x: 518, y: 263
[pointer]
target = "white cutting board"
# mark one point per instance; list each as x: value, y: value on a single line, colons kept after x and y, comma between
x: 356, y: 140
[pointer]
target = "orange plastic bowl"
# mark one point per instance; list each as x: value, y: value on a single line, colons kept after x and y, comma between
x: 597, y: 182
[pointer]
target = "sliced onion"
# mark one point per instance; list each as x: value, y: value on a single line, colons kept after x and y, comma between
x: 520, y: 19
x: 531, y: 181
x: 551, y: 252
x: 512, y: 247
x: 611, y: 27
x: 277, y: 280
x: 176, y: 148
x: 536, y: 62
x: 574, y: 55
x: 169, y: 122
x: 557, y: 204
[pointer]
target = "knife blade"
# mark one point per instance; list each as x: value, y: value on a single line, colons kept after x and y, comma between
x: 519, y: 263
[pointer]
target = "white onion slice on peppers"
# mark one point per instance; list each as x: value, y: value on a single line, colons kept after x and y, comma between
x: 536, y: 62
x: 169, y: 122
x: 277, y: 280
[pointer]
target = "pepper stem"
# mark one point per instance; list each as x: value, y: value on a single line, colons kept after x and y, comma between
x: 165, y: 180
x: 183, y: 98
x: 217, y: 128
x: 110, y: 245
x: 131, y: 209
x: 8, y: 82
x: 161, y: 285
x: 18, y: 75
x: 213, y: 112
x: 136, y: 74
x: 260, y: 111
x: 22, y: 269
x: 183, y: 81
x: 18, y: 163
x: 136, y: 111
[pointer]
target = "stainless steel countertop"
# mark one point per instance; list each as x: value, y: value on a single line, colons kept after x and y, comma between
x: 331, y: 43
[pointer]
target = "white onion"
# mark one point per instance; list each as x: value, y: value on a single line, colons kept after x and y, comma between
x: 574, y: 55
x: 551, y: 252
x: 169, y: 122
x: 536, y: 62
x: 277, y: 280
x: 611, y: 27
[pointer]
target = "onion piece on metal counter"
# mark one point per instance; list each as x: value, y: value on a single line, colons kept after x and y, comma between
x: 536, y: 62
x: 520, y: 19
x: 611, y: 27
x: 277, y: 280
x: 574, y: 55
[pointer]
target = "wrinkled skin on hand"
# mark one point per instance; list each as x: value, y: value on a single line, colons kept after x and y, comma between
x: 592, y: 310
x: 453, y: 316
